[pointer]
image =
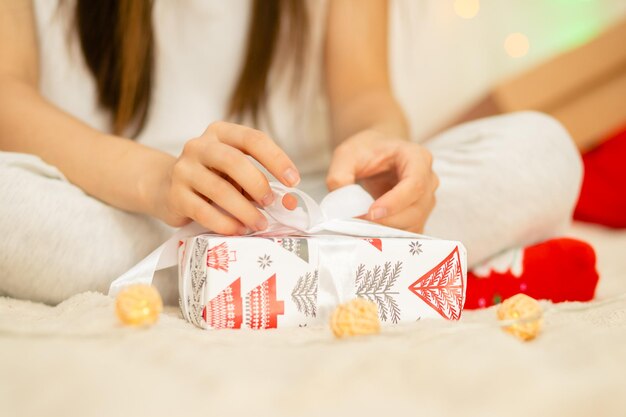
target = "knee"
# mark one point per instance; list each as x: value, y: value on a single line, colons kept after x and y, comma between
x: 549, y: 151
x: 545, y: 136
x: 58, y: 241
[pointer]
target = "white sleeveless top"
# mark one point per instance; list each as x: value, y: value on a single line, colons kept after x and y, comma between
x: 200, y: 46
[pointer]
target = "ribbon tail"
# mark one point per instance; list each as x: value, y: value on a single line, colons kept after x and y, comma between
x: 165, y: 256
x: 364, y: 228
x: 346, y: 202
x: 343, y: 203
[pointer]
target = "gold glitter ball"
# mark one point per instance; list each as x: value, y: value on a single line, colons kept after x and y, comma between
x: 138, y: 305
x: 356, y: 317
x: 526, y: 315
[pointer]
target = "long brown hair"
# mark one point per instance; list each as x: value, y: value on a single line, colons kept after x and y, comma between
x: 117, y: 41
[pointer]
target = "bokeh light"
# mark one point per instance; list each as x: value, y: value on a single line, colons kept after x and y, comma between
x: 516, y: 45
x: 466, y: 9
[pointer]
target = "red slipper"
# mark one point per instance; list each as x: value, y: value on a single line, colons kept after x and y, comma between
x: 558, y: 270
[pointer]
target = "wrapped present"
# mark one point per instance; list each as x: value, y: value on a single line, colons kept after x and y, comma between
x: 258, y: 283
x: 309, y: 261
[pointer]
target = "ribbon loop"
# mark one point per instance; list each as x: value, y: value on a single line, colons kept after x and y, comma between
x: 346, y: 203
x: 343, y: 203
x: 335, y: 214
x: 301, y: 218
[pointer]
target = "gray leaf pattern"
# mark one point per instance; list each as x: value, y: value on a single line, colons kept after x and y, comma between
x: 304, y: 294
x: 198, y: 279
x: 376, y: 285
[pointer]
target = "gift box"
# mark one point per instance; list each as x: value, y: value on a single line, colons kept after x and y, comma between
x: 306, y: 263
x: 270, y: 282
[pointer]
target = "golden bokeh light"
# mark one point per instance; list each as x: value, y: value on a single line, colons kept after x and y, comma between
x: 516, y: 45
x: 466, y: 9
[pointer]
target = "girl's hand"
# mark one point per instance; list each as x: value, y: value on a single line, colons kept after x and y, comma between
x: 396, y: 172
x: 208, y: 180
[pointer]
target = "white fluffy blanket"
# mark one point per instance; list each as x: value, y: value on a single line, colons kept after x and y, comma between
x: 75, y: 360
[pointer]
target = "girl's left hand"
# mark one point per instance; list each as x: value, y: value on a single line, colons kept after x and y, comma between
x: 396, y: 172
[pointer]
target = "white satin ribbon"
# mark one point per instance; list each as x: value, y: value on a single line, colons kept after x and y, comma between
x: 335, y: 214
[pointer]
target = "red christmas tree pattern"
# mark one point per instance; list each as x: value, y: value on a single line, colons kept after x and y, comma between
x: 262, y: 308
x: 225, y: 311
x: 377, y: 243
x: 442, y: 287
x: 218, y: 257
x: 181, y: 256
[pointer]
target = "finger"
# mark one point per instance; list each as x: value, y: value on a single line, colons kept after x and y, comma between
x: 222, y: 193
x: 234, y: 184
x: 210, y: 217
x: 353, y: 160
x: 258, y: 145
x: 413, y: 218
x: 342, y: 169
x: 401, y: 196
x: 416, y: 179
x: 290, y: 202
x: 240, y: 169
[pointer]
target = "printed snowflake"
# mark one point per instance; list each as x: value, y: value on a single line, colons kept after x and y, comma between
x: 264, y: 261
x: 415, y: 248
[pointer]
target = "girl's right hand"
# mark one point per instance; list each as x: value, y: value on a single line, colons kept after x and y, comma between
x: 194, y: 187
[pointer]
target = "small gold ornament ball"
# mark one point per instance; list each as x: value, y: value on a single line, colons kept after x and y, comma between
x: 527, y: 314
x: 356, y: 317
x: 138, y: 305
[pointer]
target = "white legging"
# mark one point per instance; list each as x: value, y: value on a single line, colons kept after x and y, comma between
x: 505, y: 182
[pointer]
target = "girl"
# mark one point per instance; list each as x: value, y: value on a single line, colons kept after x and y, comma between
x: 116, y: 114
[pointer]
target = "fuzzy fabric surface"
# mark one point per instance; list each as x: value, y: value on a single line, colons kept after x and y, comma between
x: 76, y: 360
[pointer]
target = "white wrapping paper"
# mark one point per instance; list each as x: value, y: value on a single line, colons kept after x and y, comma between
x: 306, y: 263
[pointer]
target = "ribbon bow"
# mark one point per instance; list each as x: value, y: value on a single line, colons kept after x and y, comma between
x: 335, y: 214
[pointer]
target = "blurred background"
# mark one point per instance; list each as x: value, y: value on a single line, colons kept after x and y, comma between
x: 475, y: 58
x: 462, y: 49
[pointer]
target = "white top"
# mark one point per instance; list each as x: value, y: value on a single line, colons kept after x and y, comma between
x: 200, y: 45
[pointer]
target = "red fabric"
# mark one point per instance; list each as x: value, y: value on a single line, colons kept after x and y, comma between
x: 603, y: 195
x: 558, y: 270
x: 225, y: 311
x: 263, y: 308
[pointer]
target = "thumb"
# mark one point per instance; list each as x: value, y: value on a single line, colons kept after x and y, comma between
x: 342, y: 170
